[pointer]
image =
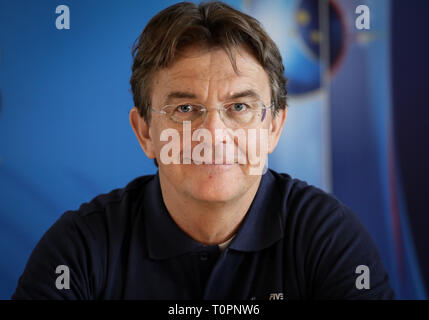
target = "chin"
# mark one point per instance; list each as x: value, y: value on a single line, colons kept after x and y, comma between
x: 212, y: 194
x: 214, y: 182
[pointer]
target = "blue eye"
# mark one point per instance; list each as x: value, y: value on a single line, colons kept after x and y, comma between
x: 239, y: 107
x: 185, y: 108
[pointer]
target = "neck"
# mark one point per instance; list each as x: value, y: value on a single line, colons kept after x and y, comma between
x: 209, y: 223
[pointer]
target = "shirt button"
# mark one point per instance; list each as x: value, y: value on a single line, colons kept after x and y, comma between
x: 204, y: 256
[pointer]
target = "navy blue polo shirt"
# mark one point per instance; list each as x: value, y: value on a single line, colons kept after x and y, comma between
x: 295, y: 242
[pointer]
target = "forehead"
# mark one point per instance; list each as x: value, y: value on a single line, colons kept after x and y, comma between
x: 209, y: 73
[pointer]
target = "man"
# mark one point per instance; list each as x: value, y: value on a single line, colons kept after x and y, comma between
x: 210, y: 104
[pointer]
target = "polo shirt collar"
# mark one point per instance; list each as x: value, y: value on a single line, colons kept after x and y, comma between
x: 261, y: 226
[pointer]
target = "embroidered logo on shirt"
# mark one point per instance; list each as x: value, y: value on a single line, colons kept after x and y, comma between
x: 276, y: 296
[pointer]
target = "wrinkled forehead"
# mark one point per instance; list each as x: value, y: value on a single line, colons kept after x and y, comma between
x: 208, y: 72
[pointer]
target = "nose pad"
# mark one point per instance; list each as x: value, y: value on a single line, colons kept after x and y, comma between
x: 221, y: 143
x: 213, y: 120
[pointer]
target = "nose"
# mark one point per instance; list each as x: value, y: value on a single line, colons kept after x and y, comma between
x: 213, y: 121
x: 222, y: 145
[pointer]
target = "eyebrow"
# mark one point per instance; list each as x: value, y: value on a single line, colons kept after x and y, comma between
x: 189, y: 95
x: 245, y: 94
x: 179, y: 95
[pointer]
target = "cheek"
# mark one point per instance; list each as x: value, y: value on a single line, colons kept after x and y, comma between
x: 257, y: 145
x: 166, y: 144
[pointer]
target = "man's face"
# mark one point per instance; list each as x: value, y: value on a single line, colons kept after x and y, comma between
x: 206, y: 77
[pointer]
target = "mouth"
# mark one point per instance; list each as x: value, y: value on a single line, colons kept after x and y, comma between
x: 209, y: 164
x: 212, y: 168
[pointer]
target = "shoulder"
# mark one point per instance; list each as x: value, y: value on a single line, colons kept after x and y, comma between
x: 116, y: 205
x: 329, y: 242
x: 107, y: 215
x: 298, y: 196
x: 312, y: 216
x: 83, y: 240
x: 127, y: 195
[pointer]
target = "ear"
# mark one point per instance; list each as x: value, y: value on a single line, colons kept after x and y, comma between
x: 276, y: 127
x: 142, y: 132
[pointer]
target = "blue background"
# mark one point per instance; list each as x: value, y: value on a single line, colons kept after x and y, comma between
x: 360, y: 133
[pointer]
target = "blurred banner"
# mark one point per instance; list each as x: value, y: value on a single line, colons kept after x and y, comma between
x: 366, y: 175
x: 65, y: 97
x: 339, y: 131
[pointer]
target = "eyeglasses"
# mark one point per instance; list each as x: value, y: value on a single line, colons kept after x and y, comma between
x: 234, y: 115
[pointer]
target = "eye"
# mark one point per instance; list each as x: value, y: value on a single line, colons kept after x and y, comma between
x: 239, y: 107
x: 185, y: 108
